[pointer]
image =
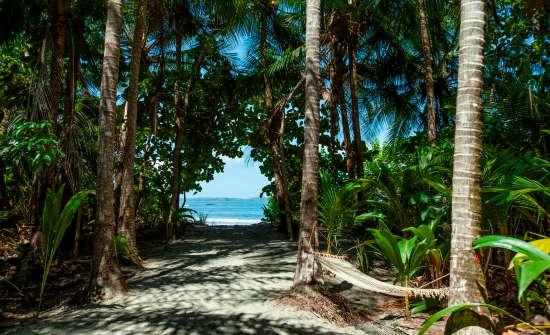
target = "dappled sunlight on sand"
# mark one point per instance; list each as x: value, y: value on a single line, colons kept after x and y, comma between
x: 221, y: 280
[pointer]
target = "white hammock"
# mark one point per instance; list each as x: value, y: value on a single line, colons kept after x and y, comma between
x: 346, y: 271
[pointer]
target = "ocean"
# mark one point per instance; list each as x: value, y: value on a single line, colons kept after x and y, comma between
x: 228, y: 211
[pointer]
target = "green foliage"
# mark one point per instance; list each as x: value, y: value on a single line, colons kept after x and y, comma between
x: 470, y: 319
x: 271, y: 210
x: 406, y: 255
x: 31, y: 146
x: 532, y: 263
x: 335, y: 207
x: 202, y: 219
x: 55, y: 221
x: 121, y: 246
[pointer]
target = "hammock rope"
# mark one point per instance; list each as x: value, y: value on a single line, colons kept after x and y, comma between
x: 343, y: 269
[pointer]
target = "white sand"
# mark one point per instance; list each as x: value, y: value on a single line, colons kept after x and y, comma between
x: 219, y: 280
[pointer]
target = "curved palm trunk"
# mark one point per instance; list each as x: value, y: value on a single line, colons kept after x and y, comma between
x: 106, y: 275
x: 306, y: 267
x: 127, y: 214
x: 358, y: 146
x: 466, y: 276
x: 428, y: 72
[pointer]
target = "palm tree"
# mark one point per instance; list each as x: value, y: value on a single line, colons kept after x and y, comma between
x: 354, y: 32
x: 127, y: 213
x: 466, y: 275
x: 428, y: 71
x: 306, y: 266
x: 266, y: 24
x: 106, y: 274
x: 182, y: 17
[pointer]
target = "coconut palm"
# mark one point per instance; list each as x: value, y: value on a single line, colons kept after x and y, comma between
x: 466, y: 276
x: 106, y: 274
x: 127, y: 226
x: 306, y: 266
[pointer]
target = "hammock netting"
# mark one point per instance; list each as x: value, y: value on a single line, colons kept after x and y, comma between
x: 344, y: 270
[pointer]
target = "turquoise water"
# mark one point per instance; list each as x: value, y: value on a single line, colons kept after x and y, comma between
x: 229, y: 211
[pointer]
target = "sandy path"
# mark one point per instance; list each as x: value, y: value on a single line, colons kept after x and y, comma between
x: 219, y: 280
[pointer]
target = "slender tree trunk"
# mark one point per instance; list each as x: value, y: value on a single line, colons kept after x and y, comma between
x: 428, y: 72
x: 358, y: 145
x: 348, y: 147
x: 284, y: 175
x: 59, y: 11
x: 127, y: 213
x: 106, y: 275
x: 70, y: 170
x: 58, y: 15
x: 154, y: 118
x: 334, y: 120
x: 466, y: 273
x: 180, y: 127
x: 275, y: 140
x: 175, y: 198
x: 4, y: 199
x: 306, y: 267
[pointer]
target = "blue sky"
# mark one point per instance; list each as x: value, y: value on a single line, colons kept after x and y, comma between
x: 241, y: 178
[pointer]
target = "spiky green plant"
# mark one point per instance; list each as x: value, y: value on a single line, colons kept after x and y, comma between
x: 55, y: 222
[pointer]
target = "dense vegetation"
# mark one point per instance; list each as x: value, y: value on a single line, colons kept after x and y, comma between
x: 140, y: 101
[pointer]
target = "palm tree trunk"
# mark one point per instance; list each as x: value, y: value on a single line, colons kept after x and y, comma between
x: 4, y: 199
x: 306, y: 267
x: 428, y: 72
x: 58, y: 12
x: 284, y: 178
x: 274, y: 136
x: 127, y: 213
x: 338, y: 85
x: 154, y: 120
x: 66, y: 140
x: 334, y: 120
x: 358, y: 146
x: 466, y: 276
x: 174, y: 202
x: 106, y: 275
x: 180, y: 127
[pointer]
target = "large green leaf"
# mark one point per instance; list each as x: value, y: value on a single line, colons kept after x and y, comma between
x: 529, y: 271
x: 535, y: 261
x: 510, y: 243
x: 455, y: 308
x: 388, y: 245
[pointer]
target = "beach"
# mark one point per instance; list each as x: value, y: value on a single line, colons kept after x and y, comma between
x: 218, y: 280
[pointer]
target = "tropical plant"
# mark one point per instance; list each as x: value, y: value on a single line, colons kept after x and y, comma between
x: 336, y: 207
x: 202, y: 219
x: 530, y: 262
x: 31, y: 146
x: 271, y: 210
x: 405, y: 255
x: 55, y: 221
